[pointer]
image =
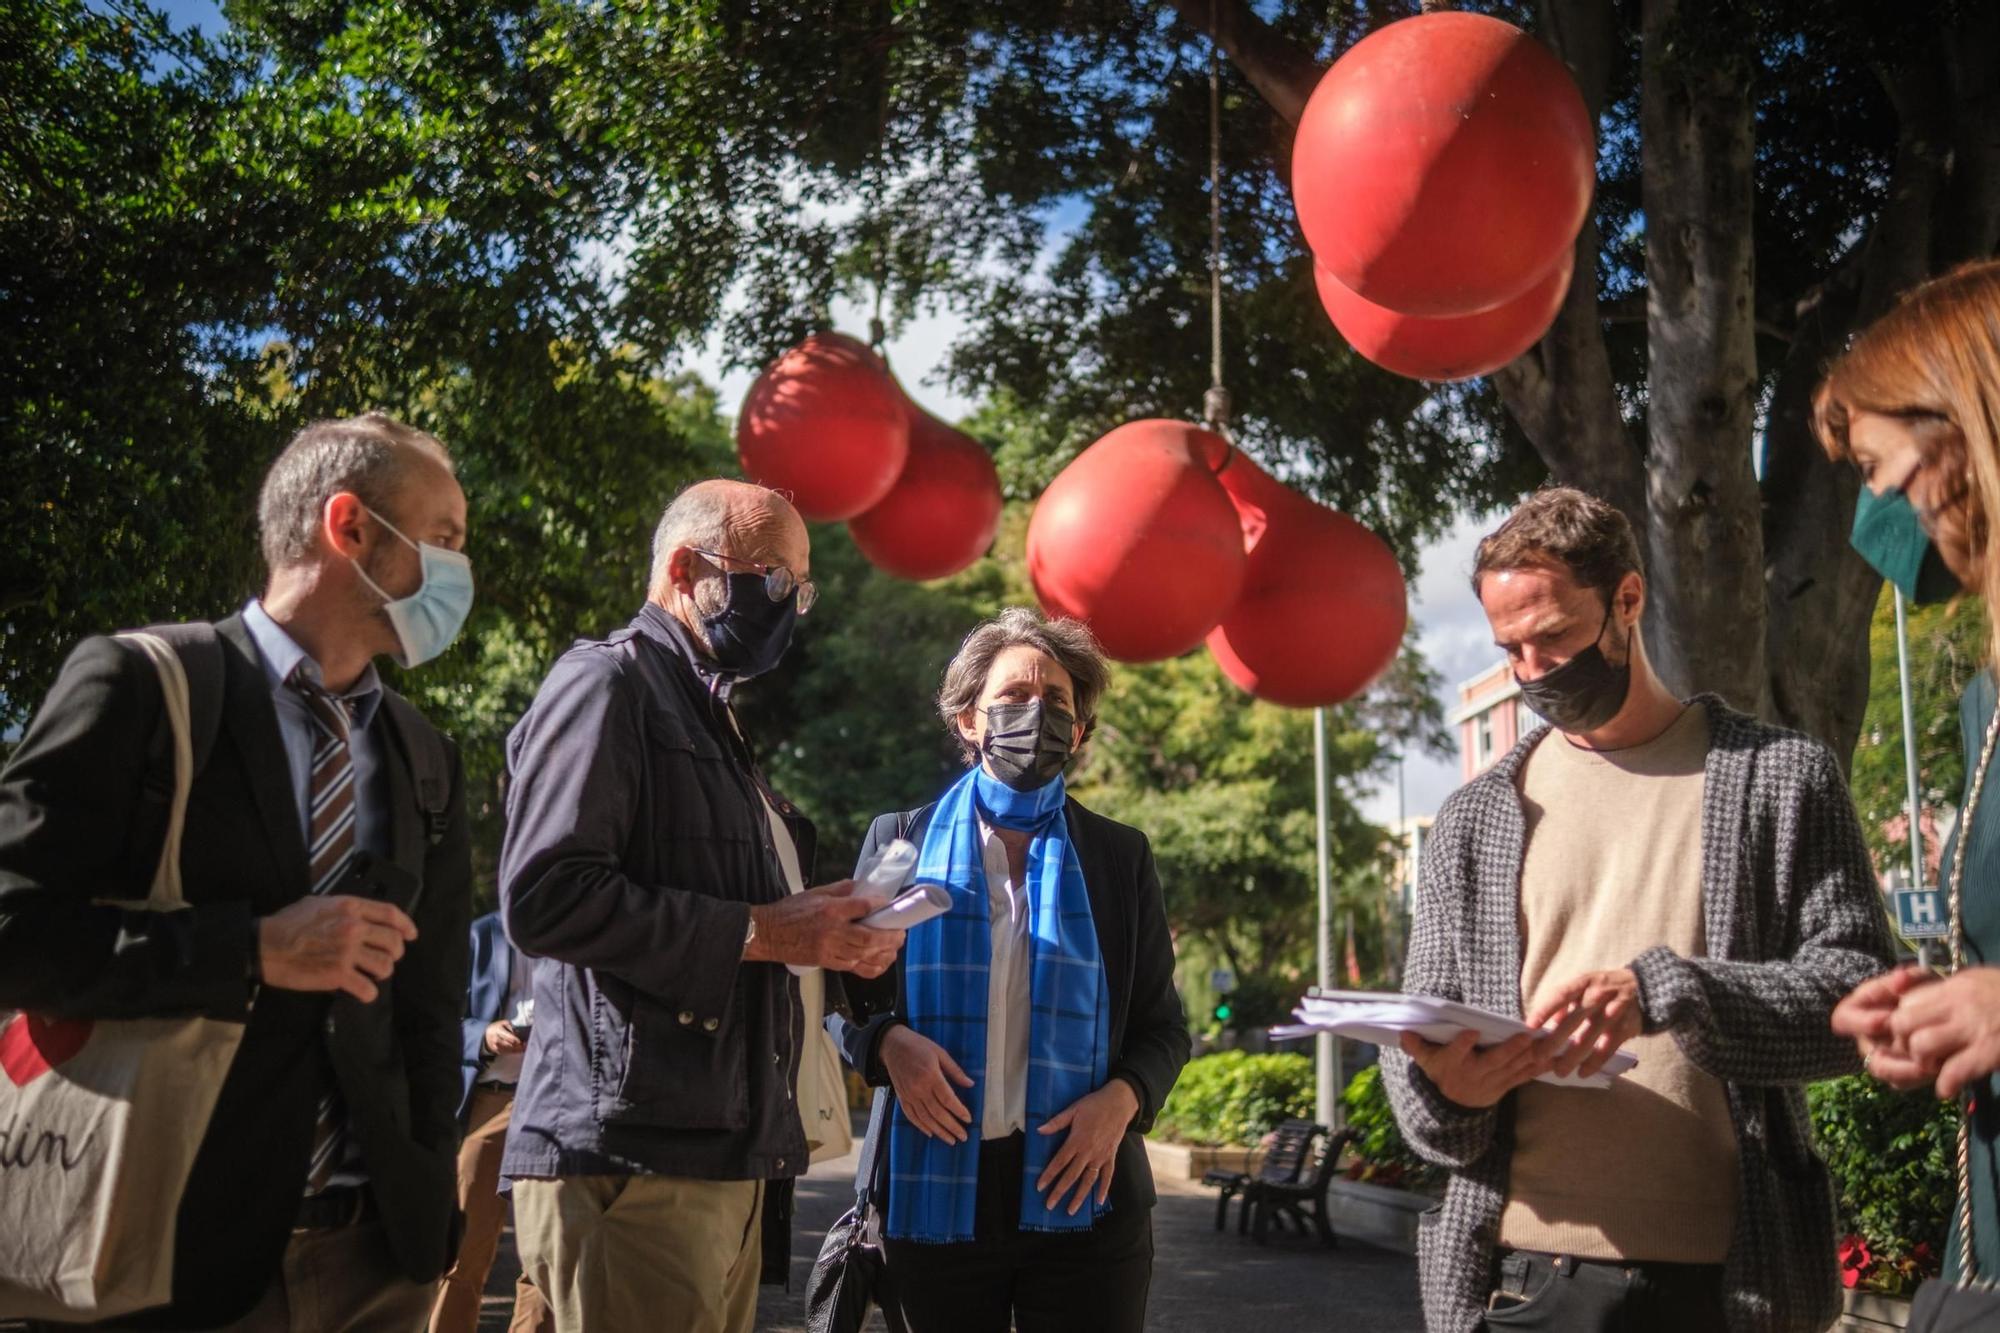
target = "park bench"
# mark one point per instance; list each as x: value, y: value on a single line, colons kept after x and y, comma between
x: 1283, y: 1162
x: 1303, y: 1196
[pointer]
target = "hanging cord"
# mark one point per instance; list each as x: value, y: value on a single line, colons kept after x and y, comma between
x: 1215, y: 403
x: 877, y: 331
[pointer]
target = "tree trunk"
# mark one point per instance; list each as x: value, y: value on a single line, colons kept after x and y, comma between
x: 1943, y: 208
x: 1562, y: 392
x: 1704, y: 542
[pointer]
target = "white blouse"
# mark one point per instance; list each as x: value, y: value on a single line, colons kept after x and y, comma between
x: 1007, y: 996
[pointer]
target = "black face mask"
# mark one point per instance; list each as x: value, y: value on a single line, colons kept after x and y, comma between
x: 1583, y: 693
x: 1027, y: 745
x: 749, y: 635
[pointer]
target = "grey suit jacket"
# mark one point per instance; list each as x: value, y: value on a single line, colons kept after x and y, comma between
x: 1793, y: 922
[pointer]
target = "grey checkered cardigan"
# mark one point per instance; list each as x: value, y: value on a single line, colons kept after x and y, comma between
x: 1793, y: 922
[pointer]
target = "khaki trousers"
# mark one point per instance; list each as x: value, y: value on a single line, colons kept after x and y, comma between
x: 457, y: 1308
x: 617, y: 1253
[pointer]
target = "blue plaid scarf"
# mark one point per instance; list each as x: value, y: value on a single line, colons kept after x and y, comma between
x: 932, y: 1184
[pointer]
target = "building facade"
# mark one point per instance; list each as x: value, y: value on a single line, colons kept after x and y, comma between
x: 1491, y: 716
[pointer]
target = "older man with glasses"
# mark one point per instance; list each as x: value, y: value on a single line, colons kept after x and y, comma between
x: 656, y: 1124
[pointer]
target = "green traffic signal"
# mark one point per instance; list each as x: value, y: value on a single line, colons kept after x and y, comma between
x: 1222, y: 1011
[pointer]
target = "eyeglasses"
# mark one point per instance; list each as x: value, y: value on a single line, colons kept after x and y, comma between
x: 779, y: 582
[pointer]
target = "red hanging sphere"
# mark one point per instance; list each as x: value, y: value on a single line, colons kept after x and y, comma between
x: 941, y: 514
x: 1138, y: 538
x: 827, y: 425
x: 1444, y: 165
x: 1445, y: 349
x: 1323, y: 606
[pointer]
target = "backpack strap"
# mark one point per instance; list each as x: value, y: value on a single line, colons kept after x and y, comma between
x: 430, y: 763
x: 908, y: 819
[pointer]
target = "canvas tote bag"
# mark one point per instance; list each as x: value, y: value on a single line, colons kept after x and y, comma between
x: 100, y: 1121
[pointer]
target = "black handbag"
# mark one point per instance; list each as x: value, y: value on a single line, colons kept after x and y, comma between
x: 1972, y: 1303
x: 1941, y: 1307
x: 846, y: 1279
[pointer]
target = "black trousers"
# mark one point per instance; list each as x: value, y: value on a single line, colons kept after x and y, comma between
x: 1561, y: 1292
x: 1044, y: 1282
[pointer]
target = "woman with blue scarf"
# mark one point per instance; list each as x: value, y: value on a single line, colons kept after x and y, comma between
x: 1031, y: 1032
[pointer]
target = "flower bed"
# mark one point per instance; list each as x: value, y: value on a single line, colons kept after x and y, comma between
x: 1892, y: 1158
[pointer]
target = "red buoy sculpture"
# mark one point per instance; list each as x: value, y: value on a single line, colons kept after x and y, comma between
x: 1451, y: 348
x: 827, y: 424
x: 1444, y: 165
x: 1138, y: 538
x: 1323, y: 605
x: 941, y: 514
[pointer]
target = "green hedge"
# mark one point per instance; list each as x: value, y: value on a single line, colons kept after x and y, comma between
x: 1892, y: 1156
x: 1234, y: 1097
x: 1381, y: 1156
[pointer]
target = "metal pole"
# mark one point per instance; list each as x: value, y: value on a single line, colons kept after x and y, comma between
x: 1402, y: 837
x: 1909, y: 741
x: 1910, y: 753
x: 1326, y: 1102
x: 1405, y: 888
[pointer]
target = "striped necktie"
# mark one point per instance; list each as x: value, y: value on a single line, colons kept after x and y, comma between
x: 329, y: 847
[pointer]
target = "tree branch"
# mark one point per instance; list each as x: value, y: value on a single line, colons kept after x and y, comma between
x: 1283, y: 75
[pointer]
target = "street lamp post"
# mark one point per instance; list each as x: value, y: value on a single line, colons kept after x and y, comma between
x: 1326, y: 1048
x: 1910, y: 758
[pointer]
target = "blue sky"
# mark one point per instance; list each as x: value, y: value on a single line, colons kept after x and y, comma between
x: 203, y: 14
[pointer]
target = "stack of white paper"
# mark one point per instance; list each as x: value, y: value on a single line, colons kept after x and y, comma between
x: 1382, y: 1017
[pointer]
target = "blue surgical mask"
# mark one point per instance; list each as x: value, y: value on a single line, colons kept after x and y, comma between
x: 430, y: 618
x: 1889, y: 534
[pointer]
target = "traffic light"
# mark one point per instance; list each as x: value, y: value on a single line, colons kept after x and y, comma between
x: 1223, y: 1011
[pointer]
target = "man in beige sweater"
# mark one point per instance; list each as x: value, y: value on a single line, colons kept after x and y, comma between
x: 1664, y: 876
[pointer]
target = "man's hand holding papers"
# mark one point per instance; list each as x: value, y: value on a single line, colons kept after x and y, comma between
x: 1473, y: 1055
x: 1476, y: 1078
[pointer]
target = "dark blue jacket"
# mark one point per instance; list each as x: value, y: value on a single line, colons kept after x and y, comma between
x: 485, y: 997
x: 636, y: 844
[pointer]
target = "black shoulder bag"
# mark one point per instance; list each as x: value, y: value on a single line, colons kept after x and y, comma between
x: 847, y: 1277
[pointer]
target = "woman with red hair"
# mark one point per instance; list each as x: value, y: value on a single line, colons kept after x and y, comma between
x: 1915, y: 404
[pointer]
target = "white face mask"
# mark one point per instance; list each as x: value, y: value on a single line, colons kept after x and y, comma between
x: 430, y: 618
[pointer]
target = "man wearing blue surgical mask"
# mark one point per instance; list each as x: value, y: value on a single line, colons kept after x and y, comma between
x: 656, y: 1128
x: 326, y: 863
x: 1662, y: 875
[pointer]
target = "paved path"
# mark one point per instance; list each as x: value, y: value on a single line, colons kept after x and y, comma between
x: 1202, y: 1280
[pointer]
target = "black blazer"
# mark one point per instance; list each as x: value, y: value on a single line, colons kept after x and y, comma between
x: 1149, y: 1033
x: 76, y: 825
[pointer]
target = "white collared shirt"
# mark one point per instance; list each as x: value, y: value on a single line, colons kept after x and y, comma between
x: 1007, y: 995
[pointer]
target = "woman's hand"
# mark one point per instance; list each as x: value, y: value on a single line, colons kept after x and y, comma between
x: 1952, y: 1026
x: 1096, y: 1122
x: 922, y: 1074
x: 1867, y: 1014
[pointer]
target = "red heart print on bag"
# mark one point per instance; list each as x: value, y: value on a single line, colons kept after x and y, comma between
x: 31, y: 1046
